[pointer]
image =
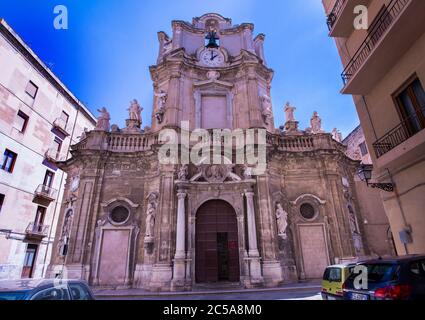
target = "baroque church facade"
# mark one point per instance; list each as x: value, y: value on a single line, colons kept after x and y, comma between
x: 129, y: 220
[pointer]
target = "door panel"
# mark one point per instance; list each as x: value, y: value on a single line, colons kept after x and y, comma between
x: 114, y: 257
x: 314, y: 250
x: 217, y: 249
x: 29, y: 261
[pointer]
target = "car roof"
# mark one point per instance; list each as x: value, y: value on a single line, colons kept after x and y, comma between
x: 342, y: 265
x: 30, y: 284
x: 405, y: 258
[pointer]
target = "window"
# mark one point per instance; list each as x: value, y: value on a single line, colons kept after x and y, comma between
x: 9, y: 160
x: 65, y: 118
x: 31, y: 89
x: 1, y: 201
x: 307, y: 211
x: 57, y: 145
x: 56, y: 293
x: 48, y: 178
x: 21, y: 121
x: 119, y: 215
x: 79, y: 292
x: 363, y: 148
x: 39, y: 217
x: 411, y: 104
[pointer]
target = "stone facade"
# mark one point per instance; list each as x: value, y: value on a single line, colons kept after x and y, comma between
x: 131, y: 220
x: 39, y: 120
x: 375, y: 222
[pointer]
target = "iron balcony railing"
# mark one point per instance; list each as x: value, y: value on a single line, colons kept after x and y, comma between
x: 334, y: 15
x: 37, y: 229
x: 381, y: 25
x: 400, y: 133
x: 46, y: 192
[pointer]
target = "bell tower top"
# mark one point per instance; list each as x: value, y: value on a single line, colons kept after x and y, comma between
x: 212, y: 74
x: 191, y: 36
x: 212, y: 21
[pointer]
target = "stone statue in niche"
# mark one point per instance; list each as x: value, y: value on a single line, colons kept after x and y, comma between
x: 160, y: 105
x: 150, y: 217
x: 352, y: 220
x: 183, y: 173
x: 266, y: 108
x: 282, y: 220
x: 103, y: 120
x: 316, y: 123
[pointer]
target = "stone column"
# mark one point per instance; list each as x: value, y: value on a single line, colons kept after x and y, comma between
x: 255, y: 277
x: 181, y: 227
x: 252, y: 229
x: 179, y: 269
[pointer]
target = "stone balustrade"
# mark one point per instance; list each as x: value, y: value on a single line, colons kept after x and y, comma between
x: 119, y: 142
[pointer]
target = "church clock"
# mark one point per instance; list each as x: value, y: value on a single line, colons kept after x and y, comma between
x: 212, y: 57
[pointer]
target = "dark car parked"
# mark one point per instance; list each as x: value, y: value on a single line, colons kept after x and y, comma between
x: 30, y: 289
x: 398, y: 278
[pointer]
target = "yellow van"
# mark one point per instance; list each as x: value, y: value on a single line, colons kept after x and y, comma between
x: 333, y: 279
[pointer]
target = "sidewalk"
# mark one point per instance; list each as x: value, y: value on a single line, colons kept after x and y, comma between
x: 131, y: 293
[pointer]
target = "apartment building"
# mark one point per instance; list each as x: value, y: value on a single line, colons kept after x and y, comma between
x: 374, y: 220
x: 39, y: 120
x: 384, y: 71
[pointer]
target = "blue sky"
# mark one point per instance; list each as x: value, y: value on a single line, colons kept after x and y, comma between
x: 104, y: 56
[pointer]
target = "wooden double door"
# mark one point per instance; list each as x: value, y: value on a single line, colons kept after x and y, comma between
x: 217, y: 248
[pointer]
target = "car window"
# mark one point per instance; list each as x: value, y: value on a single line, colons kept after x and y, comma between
x: 79, y: 292
x: 418, y: 268
x: 57, y: 293
x: 415, y: 268
x: 333, y: 274
x: 379, y: 272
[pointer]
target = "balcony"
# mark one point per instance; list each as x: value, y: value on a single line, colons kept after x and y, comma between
x: 35, y: 232
x: 340, y: 20
x: 53, y: 155
x: 394, y: 31
x: 401, y: 133
x: 44, y: 195
x: 62, y: 126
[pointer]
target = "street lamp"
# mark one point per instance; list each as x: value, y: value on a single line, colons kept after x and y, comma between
x: 365, y: 174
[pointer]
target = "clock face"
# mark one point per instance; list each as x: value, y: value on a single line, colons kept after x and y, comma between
x: 212, y: 58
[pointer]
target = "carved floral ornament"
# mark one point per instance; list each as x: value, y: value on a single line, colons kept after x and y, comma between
x: 215, y: 173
